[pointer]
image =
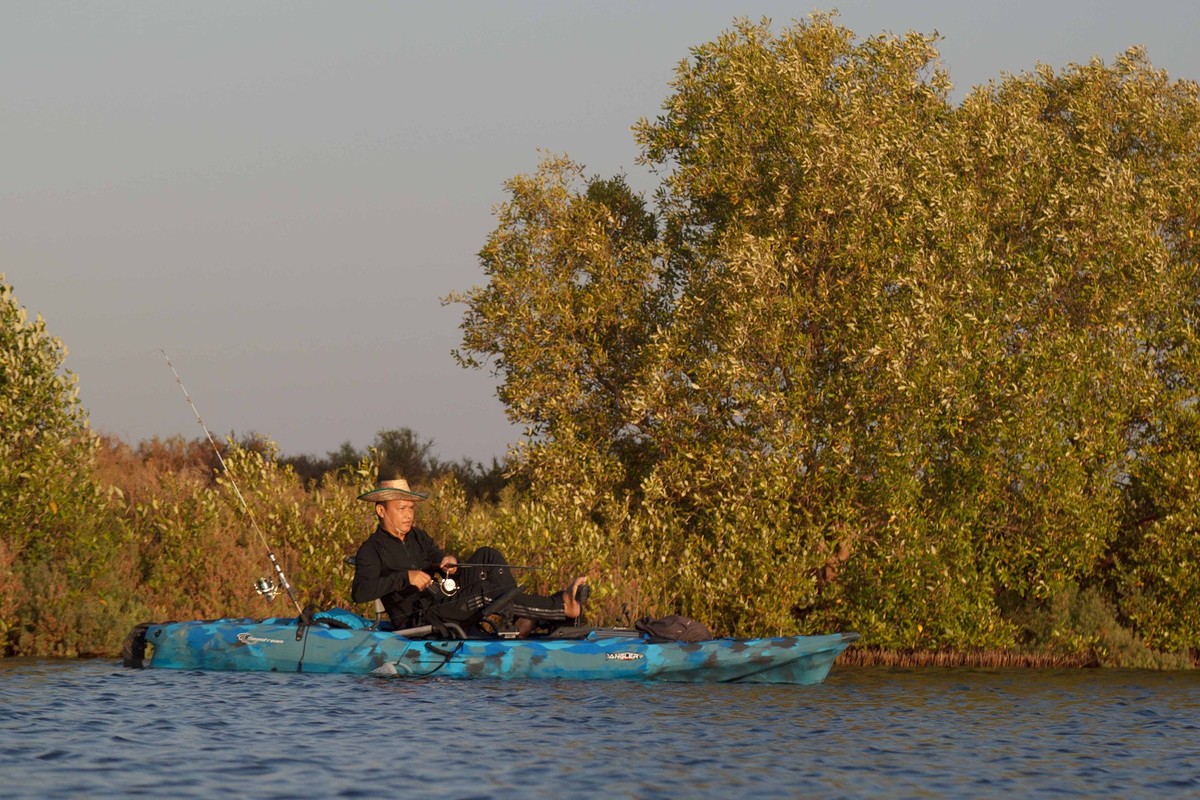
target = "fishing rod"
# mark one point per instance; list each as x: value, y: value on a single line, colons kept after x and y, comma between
x: 265, y: 586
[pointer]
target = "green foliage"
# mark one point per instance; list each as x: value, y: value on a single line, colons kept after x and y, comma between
x: 873, y: 361
x: 95, y: 537
x: 186, y: 556
x: 879, y: 362
x: 45, y: 447
x: 568, y: 311
x: 56, y: 595
x: 1157, y: 576
x: 1082, y: 623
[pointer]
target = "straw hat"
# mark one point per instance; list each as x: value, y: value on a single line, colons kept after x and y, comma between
x: 392, y: 490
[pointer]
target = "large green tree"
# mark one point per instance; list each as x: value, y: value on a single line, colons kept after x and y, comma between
x: 43, y: 441
x: 876, y: 359
x: 50, y: 536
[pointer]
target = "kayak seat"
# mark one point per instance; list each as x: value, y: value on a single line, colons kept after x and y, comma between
x: 343, y: 619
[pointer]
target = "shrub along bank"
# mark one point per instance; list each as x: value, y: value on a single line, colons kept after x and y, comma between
x: 155, y: 534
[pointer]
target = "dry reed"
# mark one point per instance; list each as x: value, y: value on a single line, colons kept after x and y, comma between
x: 876, y: 657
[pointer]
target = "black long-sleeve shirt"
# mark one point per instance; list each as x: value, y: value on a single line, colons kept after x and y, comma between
x: 381, y: 571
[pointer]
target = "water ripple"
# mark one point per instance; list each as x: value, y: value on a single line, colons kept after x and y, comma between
x: 71, y: 728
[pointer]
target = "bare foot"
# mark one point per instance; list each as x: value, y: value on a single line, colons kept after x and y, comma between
x: 571, y: 606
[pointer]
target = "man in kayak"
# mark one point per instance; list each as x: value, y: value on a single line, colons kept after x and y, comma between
x: 392, y: 565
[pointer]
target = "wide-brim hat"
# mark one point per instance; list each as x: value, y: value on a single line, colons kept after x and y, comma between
x: 392, y: 490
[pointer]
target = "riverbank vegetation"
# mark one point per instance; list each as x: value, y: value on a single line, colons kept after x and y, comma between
x: 872, y: 361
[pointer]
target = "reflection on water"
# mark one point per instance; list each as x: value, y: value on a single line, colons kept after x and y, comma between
x: 74, y: 728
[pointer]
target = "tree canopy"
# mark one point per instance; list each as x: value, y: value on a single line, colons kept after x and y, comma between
x: 44, y: 449
x: 48, y: 497
x: 873, y: 359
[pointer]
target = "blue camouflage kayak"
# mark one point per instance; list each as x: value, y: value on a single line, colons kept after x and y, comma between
x: 339, y: 641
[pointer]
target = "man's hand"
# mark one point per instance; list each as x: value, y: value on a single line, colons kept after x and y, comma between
x: 420, y: 579
x: 449, y: 565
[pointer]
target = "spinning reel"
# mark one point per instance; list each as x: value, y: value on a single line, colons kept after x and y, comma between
x: 267, y: 588
x: 442, y: 583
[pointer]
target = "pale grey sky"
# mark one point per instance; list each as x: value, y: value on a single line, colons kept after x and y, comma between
x: 279, y: 193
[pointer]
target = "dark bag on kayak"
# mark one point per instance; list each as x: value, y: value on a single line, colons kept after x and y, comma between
x: 673, y: 628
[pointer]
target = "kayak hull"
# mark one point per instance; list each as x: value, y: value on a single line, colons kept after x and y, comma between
x: 281, y: 645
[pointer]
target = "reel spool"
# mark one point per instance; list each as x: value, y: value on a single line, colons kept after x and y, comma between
x: 446, y: 585
x: 267, y: 588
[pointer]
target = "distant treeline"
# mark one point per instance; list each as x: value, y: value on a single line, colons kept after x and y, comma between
x: 401, y: 450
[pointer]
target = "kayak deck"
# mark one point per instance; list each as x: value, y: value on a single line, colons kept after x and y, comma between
x: 281, y: 645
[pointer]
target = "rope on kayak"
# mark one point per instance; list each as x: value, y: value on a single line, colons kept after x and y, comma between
x: 447, y: 655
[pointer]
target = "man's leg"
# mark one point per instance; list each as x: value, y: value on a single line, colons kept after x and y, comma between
x: 483, y: 584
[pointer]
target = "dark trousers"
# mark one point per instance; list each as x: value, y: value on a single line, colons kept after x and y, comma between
x: 480, y: 585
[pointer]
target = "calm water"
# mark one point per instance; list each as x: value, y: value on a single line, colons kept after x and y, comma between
x: 93, y: 729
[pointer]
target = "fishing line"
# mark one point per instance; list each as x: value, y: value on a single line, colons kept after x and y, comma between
x: 262, y: 584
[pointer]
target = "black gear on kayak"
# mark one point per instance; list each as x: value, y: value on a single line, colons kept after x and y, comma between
x: 673, y: 628
x: 133, y: 650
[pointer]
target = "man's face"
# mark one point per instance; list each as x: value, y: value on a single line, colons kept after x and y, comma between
x: 396, y: 516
